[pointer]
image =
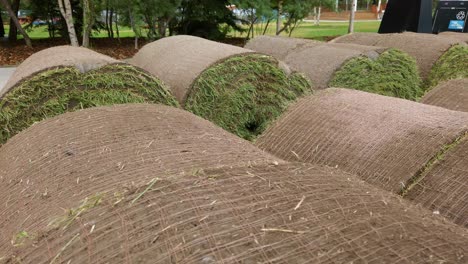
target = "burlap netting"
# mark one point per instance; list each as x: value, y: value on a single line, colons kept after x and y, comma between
x: 81, y: 58
x: 454, y: 35
x: 62, y: 160
x: 317, y: 60
x: 179, y: 60
x: 384, y: 140
x: 444, y: 189
x: 425, y: 48
x: 452, y: 94
x: 275, y: 214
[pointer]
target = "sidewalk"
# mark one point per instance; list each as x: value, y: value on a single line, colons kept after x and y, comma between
x: 5, y: 74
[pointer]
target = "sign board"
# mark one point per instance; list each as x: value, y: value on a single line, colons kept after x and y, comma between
x: 451, y: 15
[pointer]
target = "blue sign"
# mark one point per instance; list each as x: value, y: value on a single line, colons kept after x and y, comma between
x: 456, y: 24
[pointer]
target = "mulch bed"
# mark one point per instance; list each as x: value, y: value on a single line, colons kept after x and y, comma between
x: 13, y: 53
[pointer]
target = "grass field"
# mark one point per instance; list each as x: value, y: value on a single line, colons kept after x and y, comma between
x: 325, y: 29
x: 304, y: 30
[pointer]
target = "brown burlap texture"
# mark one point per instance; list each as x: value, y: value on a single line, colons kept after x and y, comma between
x: 386, y: 141
x: 81, y: 58
x: 179, y: 60
x: 444, y: 188
x: 426, y: 49
x: 273, y: 214
x: 452, y: 94
x: 317, y: 60
x: 57, y: 162
x: 454, y: 35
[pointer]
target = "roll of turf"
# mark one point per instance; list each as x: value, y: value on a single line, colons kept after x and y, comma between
x: 108, y: 197
x: 426, y: 49
x: 235, y: 88
x: 452, y: 65
x: 67, y: 158
x: 368, y: 68
x: 388, y: 142
x: 452, y: 94
x: 82, y: 79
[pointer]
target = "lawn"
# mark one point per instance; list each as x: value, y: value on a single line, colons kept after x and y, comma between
x: 304, y: 30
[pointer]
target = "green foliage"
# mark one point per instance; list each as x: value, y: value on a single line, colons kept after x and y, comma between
x: 393, y: 73
x: 244, y: 94
x: 61, y: 90
x: 452, y: 65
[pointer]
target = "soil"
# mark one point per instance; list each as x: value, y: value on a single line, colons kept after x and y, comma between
x: 425, y: 48
x: 289, y: 213
x: 179, y: 60
x: 62, y: 160
x: 384, y: 140
x: 451, y: 94
x: 16, y: 52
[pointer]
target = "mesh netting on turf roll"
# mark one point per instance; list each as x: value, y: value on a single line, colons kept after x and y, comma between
x: 373, y: 69
x: 80, y: 58
x: 454, y: 35
x: 424, y: 48
x: 233, y: 87
x: 452, y: 65
x: 279, y: 214
x: 384, y: 140
x: 443, y: 186
x: 60, y: 89
x: 62, y: 160
x: 451, y: 94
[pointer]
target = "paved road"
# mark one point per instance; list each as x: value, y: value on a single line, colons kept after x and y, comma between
x: 5, y: 74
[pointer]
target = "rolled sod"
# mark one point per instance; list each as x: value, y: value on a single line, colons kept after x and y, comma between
x: 394, y: 73
x: 155, y: 184
x: 61, y: 56
x: 235, y: 88
x: 454, y: 35
x: 64, y: 159
x: 426, y: 49
x: 453, y: 64
x: 387, y: 142
x: 452, y: 94
x: 63, y: 89
x: 317, y: 60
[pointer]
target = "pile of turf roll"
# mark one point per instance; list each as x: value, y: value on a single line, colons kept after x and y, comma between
x: 426, y: 49
x: 237, y: 89
x: 373, y: 69
x: 388, y: 142
x: 453, y: 64
x: 62, y: 79
x: 452, y: 94
x: 103, y: 190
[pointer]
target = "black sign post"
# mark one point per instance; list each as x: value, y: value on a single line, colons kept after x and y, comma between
x: 407, y: 15
x: 451, y: 15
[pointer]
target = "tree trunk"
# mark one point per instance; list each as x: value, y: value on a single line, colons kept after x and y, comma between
x: 111, y: 23
x: 2, y: 28
x: 278, y: 21
x: 88, y: 21
x: 378, y: 9
x: 66, y: 10
x: 267, y: 25
x: 13, y: 32
x: 117, y: 26
x: 132, y: 23
x: 318, y: 16
x: 13, y: 16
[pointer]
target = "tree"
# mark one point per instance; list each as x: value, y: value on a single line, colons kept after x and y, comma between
x: 2, y: 29
x: 252, y: 12
x: 88, y: 21
x: 14, y: 18
x: 67, y: 13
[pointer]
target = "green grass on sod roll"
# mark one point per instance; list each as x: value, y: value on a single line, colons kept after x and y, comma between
x: 393, y: 73
x: 56, y: 91
x: 243, y: 94
x: 452, y: 65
